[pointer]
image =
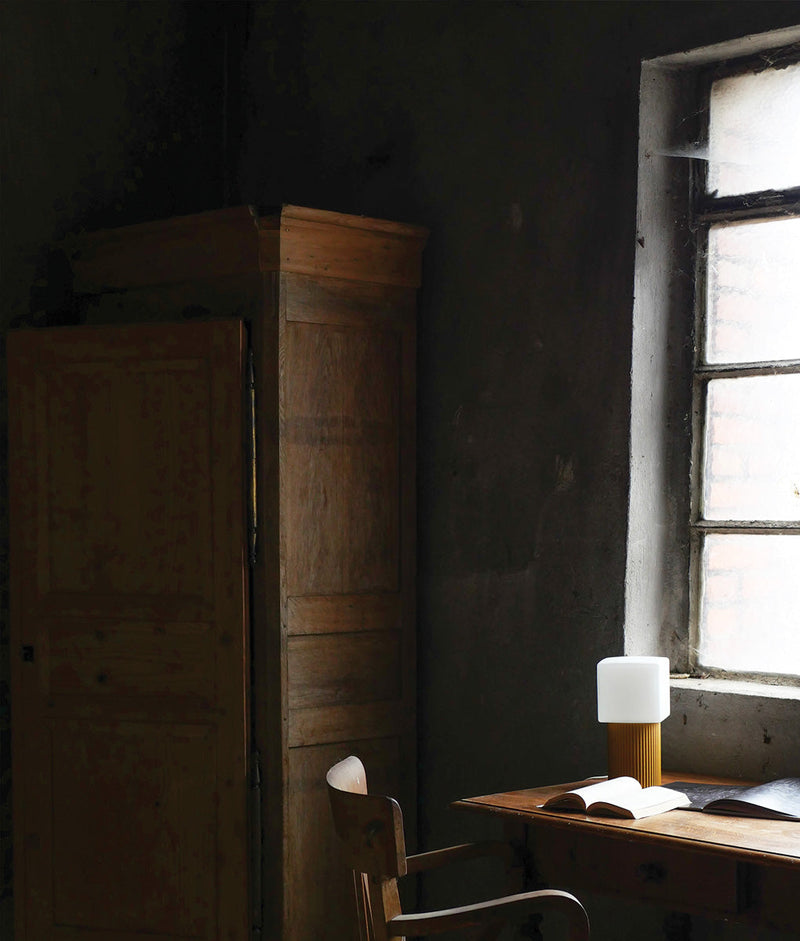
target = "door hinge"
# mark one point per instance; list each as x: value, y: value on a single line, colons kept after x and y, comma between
x: 252, y: 502
x: 256, y: 838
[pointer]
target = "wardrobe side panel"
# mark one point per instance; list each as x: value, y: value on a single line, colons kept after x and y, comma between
x: 347, y: 506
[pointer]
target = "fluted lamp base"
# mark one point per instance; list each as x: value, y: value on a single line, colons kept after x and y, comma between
x: 634, y: 749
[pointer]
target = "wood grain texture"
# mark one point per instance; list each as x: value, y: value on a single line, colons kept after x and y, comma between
x: 722, y: 867
x: 341, y: 439
x: 347, y: 496
x: 108, y: 535
x: 185, y: 248
x: 333, y: 245
x: 237, y: 241
x: 737, y: 837
x: 128, y: 585
x: 323, y: 614
x: 670, y: 877
x: 335, y: 301
x: 351, y: 722
x: 336, y: 669
x: 137, y: 860
x: 113, y: 658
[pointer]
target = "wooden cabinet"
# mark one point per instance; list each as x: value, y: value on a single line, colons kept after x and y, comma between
x: 329, y: 301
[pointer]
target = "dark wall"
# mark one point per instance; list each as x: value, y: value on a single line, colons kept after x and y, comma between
x: 112, y: 113
x: 509, y: 129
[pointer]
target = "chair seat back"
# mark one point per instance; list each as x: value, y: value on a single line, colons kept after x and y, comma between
x: 370, y: 829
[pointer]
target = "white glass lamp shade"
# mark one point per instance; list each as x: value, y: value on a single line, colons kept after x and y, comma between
x: 633, y: 689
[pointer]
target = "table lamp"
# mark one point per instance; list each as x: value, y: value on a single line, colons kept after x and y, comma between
x: 633, y: 698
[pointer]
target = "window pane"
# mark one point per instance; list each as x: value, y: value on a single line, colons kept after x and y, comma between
x: 750, y: 603
x: 752, y: 449
x: 753, y: 290
x: 754, y: 132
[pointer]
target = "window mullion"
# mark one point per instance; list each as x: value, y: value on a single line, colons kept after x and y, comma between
x: 697, y: 425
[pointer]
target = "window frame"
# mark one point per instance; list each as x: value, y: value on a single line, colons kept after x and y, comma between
x: 753, y: 726
x: 706, y: 211
x: 659, y: 558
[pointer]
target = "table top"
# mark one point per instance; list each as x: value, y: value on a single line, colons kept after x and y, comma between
x: 770, y: 842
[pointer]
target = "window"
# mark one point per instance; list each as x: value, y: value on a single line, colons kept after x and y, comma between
x: 713, y: 570
x: 745, y: 472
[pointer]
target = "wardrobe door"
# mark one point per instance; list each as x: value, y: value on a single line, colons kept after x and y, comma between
x: 128, y: 601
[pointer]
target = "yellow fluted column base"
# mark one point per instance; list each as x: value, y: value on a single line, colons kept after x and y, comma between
x: 634, y: 749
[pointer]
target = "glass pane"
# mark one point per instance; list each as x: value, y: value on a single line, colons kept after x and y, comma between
x: 754, y: 132
x: 750, y: 603
x: 753, y: 290
x: 752, y: 449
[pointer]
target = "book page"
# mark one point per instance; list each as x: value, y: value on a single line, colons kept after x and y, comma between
x: 615, y: 789
x: 650, y: 797
x: 645, y: 803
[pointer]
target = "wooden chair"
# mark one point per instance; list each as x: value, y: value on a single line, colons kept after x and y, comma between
x: 370, y: 828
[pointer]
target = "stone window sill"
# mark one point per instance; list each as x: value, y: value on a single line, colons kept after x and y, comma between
x: 732, y: 728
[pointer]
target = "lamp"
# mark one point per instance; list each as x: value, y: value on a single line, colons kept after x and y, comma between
x: 633, y: 698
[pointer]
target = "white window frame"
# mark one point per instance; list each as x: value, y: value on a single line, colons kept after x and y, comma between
x: 657, y: 597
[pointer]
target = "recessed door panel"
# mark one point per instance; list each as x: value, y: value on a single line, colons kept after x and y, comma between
x: 342, y: 446
x: 149, y: 816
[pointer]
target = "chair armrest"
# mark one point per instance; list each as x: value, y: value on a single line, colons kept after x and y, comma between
x: 451, y: 854
x: 482, y: 913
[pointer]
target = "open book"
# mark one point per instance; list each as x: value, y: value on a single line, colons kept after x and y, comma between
x: 774, y: 800
x: 619, y: 797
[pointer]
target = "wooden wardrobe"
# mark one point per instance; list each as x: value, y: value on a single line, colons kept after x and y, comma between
x: 212, y: 485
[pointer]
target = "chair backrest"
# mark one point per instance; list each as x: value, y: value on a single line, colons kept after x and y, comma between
x: 370, y: 826
x: 370, y: 829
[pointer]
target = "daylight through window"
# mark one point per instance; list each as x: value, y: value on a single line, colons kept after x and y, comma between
x: 746, y: 463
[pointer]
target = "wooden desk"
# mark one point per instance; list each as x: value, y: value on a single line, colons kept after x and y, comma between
x: 720, y: 867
